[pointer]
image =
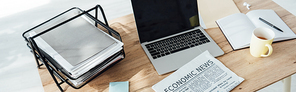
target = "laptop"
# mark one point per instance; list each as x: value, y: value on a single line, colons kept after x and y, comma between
x: 170, y: 33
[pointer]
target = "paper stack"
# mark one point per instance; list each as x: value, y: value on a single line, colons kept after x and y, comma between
x: 78, y: 50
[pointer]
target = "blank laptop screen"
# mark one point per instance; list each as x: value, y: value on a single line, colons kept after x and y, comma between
x: 159, y: 18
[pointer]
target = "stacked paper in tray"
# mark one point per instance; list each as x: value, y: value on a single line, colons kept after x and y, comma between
x: 78, y: 46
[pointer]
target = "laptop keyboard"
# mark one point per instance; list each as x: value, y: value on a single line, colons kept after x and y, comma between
x: 177, y: 43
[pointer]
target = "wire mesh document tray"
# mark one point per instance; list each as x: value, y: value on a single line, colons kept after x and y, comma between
x: 75, y: 46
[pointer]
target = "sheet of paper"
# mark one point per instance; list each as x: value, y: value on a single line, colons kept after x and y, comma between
x: 212, y: 10
x: 272, y: 17
x: 204, y: 73
x: 238, y: 29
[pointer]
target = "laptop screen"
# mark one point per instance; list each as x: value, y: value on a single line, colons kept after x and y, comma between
x: 159, y: 18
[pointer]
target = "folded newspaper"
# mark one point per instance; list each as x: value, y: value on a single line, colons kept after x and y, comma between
x: 202, y: 74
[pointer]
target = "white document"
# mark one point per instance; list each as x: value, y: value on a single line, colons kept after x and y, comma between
x: 212, y: 10
x: 77, y: 46
x: 202, y: 74
x: 238, y: 28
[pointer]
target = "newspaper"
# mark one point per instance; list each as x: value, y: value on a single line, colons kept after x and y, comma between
x: 202, y: 74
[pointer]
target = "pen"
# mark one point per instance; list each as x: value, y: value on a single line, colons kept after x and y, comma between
x: 273, y: 26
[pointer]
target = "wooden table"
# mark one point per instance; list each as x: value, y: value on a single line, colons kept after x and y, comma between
x: 137, y: 69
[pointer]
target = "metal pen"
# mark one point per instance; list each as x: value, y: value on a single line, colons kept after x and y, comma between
x: 273, y: 26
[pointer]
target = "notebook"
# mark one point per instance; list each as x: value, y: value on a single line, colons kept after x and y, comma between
x: 170, y: 33
x: 238, y: 28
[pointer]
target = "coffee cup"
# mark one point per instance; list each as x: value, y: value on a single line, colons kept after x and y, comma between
x: 261, y: 41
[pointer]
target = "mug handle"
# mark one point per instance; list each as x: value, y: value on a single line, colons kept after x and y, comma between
x: 269, y: 50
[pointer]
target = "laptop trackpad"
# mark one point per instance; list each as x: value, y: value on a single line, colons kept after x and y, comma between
x: 176, y: 60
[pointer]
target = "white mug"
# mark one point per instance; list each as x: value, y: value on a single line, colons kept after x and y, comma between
x: 261, y: 42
